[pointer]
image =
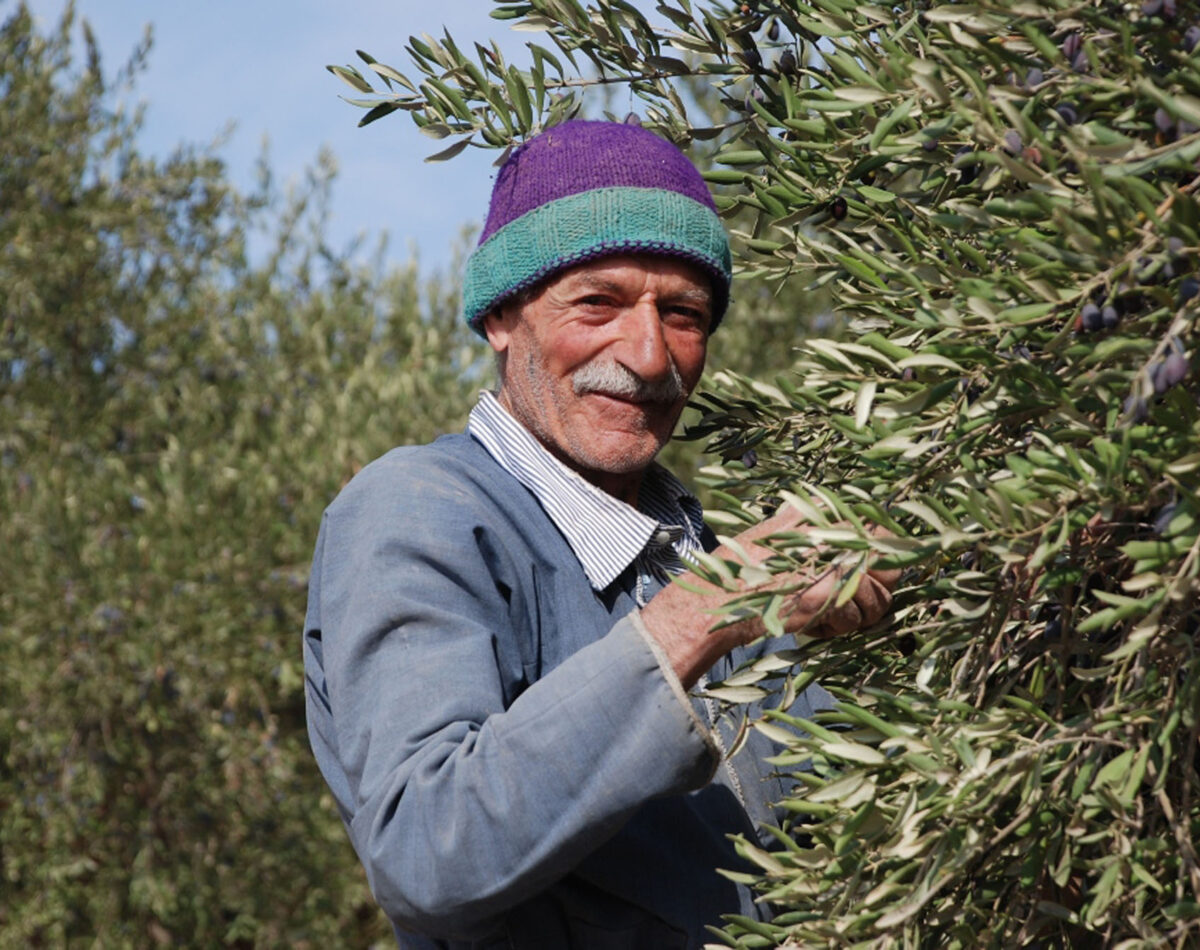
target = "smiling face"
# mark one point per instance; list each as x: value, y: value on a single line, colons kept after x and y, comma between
x: 598, y: 364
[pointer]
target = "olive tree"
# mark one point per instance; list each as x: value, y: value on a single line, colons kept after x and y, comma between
x: 999, y: 201
x: 174, y: 415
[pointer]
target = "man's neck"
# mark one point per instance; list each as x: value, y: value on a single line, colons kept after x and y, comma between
x: 623, y: 486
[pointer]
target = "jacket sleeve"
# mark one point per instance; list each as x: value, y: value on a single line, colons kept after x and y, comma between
x: 459, y: 807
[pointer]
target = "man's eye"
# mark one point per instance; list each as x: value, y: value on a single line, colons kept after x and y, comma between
x: 688, y: 315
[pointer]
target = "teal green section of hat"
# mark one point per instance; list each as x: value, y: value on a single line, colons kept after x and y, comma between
x: 589, y: 225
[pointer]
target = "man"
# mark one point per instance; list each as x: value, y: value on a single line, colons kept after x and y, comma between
x: 497, y: 677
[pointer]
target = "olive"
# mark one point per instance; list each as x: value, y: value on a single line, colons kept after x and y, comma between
x: 968, y: 171
x: 751, y: 57
x: 1175, y: 370
x: 1163, y: 520
x: 1158, y: 377
x: 1090, y: 318
x: 1135, y: 407
x: 1067, y: 113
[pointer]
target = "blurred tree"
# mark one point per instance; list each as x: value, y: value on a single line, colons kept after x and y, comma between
x: 173, y: 418
x: 1000, y: 200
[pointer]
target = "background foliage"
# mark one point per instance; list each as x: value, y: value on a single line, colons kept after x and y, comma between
x: 173, y: 419
x: 999, y: 199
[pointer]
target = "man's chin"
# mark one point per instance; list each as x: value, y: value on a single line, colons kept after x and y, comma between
x: 620, y: 460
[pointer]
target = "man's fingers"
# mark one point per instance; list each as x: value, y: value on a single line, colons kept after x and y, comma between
x: 888, y: 578
x: 812, y: 611
x: 874, y: 599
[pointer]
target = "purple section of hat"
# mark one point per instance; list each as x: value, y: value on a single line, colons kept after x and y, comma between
x: 581, y: 155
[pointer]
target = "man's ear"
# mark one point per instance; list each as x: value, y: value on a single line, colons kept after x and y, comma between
x: 498, y: 324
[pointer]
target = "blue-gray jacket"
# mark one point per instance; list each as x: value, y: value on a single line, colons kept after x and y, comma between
x: 513, y: 765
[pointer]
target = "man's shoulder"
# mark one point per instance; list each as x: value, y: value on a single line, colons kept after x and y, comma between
x: 421, y: 474
x: 451, y: 481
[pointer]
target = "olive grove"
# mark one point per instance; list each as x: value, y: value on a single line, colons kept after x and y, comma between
x: 173, y: 418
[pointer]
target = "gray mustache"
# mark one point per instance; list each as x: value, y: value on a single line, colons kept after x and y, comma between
x: 613, y: 379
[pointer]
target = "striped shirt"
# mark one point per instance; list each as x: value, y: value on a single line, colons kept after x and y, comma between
x: 605, y: 533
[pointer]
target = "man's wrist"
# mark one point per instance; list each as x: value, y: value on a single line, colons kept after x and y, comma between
x: 680, y: 622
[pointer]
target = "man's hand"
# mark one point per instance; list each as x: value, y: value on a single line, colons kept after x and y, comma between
x: 681, y: 620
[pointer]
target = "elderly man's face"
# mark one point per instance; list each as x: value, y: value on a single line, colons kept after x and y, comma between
x: 599, y: 363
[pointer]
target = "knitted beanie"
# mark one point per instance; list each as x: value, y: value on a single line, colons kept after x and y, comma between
x: 583, y: 190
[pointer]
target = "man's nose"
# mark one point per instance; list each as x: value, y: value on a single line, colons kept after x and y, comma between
x: 643, y: 347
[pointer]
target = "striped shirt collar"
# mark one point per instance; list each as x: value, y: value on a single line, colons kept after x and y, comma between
x: 606, y: 534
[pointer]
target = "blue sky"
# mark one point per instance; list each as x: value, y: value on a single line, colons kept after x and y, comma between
x: 260, y: 65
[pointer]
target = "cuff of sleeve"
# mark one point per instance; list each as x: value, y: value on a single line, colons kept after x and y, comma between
x: 676, y: 687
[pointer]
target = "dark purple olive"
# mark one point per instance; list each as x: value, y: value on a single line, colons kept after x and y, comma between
x: 1081, y: 62
x: 1071, y: 45
x: 1067, y: 113
x: 632, y: 119
x: 1163, y: 121
x: 1158, y: 377
x: 1151, y: 7
x: 1034, y: 78
x: 1175, y: 245
x: 1163, y: 520
x: 1169, y: 372
x: 967, y: 171
x: 1012, y: 142
x: 751, y: 57
x: 1090, y: 318
x: 1109, y: 317
x: 1130, y: 301
x: 1188, y: 288
x: 930, y: 144
x: 750, y: 458
x: 773, y: 31
x: 1191, y: 37
x: 838, y: 208
x: 1169, y: 9
x: 1135, y: 407
x: 787, y: 63
x: 1175, y: 370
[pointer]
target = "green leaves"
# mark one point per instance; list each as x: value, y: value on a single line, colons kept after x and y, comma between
x: 174, y: 419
